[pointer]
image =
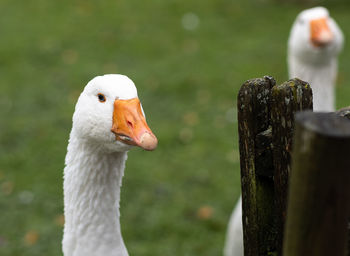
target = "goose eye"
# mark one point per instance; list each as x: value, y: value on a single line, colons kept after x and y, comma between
x: 101, y: 97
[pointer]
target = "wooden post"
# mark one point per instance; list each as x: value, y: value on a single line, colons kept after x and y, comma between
x: 319, y: 195
x: 345, y: 112
x: 266, y: 123
x: 256, y: 165
x: 287, y: 98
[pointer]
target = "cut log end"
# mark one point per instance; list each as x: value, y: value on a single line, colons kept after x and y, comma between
x: 326, y: 124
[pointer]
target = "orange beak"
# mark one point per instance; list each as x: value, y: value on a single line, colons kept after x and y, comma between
x: 321, y: 35
x: 129, y: 125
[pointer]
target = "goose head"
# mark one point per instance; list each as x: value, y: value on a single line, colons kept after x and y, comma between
x: 109, y: 115
x: 315, y: 37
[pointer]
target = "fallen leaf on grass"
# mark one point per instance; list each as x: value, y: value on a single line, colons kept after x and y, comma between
x: 191, y: 118
x: 59, y: 220
x: 7, y: 187
x: 205, y: 212
x: 31, y: 237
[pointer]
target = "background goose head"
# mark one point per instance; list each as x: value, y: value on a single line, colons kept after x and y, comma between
x: 315, y: 37
x: 108, y: 114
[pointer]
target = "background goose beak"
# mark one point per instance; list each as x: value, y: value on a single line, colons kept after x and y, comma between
x: 130, y: 126
x: 321, y: 35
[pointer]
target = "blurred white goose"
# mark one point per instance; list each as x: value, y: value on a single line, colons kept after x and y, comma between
x: 313, y: 47
x: 108, y: 120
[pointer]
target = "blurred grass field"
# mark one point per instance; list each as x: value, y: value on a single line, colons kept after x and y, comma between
x: 188, y: 59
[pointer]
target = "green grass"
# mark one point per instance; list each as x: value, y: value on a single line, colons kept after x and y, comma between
x: 187, y: 81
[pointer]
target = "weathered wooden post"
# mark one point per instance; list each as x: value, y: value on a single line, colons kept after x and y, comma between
x: 256, y: 165
x: 319, y: 195
x: 287, y: 98
x: 266, y: 122
x: 344, y: 112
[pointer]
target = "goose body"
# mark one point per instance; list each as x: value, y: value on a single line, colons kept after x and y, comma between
x: 234, y: 236
x: 313, y: 46
x: 107, y: 122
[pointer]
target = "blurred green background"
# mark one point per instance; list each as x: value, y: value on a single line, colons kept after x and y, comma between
x: 188, y: 60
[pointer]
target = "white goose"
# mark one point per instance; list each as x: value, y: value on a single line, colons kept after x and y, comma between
x: 313, y: 47
x: 108, y: 120
x: 314, y: 44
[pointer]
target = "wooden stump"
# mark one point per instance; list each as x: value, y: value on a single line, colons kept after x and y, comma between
x: 319, y: 195
x: 345, y: 112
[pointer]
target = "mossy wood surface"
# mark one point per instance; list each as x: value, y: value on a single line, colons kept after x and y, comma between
x: 319, y: 198
x: 266, y: 121
x: 287, y: 98
x: 256, y: 164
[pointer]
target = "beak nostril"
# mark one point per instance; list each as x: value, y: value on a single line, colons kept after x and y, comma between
x: 130, y: 124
